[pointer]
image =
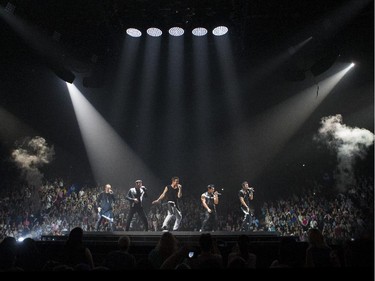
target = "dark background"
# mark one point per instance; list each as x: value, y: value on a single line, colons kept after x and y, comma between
x: 261, y: 30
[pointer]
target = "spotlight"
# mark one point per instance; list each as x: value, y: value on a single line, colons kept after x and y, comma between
x: 220, y: 30
x: 154, y: 32
x: 133, y: 32
x: 63, y: 73
x: 199, y: 31
x: 176, y: 31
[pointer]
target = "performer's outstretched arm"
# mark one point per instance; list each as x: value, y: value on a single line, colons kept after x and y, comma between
x: 161, y: 196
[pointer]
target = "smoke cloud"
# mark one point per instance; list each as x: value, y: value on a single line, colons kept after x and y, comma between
x: 31, y: 154
x: 349, y: 144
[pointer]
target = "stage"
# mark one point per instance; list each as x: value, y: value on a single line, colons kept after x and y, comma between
x: 150, y: 238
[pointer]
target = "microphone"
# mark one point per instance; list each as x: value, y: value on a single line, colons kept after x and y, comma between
x: 217, y: 193
x: 251, y: 189
x: 143, y: 187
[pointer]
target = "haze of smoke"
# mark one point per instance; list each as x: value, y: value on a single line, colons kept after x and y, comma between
x: 31, y: 154
x: 349, y: 144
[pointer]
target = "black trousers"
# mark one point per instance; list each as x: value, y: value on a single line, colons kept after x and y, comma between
x: 246, y: 222
x: 209, y: 219
x: 108, y: 215
x: 141, y: 214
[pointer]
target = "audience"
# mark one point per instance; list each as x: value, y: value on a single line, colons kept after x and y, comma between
x: 316, y: 215
x: 74, y: 252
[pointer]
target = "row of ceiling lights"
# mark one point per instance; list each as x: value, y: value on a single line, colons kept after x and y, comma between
x: 177, y: 31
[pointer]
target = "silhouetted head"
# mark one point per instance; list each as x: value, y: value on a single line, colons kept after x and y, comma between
x: 124, y: 243
x: 76, y: 235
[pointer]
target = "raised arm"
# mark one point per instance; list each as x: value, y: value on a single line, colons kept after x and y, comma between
x: 216, y: 198
x: 251, y: 193
x: 161, y: 196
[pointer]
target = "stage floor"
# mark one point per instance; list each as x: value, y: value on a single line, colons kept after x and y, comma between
x: 151, y: 237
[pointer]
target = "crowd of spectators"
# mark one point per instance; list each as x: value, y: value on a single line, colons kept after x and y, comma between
x: 55, y: 208
x: 316, y: 216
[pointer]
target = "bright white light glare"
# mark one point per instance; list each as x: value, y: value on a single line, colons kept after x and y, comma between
x: 20, y: 239
x: 352, y: 64
x: 114, y: 156
x: 220, y: 30
x: 199, y: 31
x: 133, y: 32
x: 176, y: 31
x: 154, y: 32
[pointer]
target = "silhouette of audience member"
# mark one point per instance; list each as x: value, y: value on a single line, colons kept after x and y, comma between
x: 166, y: 247
x: 28, y: 256
x: 183, y: 266
x: 181, y: 256
x: 124, y: 243
x: 237, y: 262
x: 8, y: 254
x: 287, y: 255
x: 242, y: 250
x: 318, y: 253
x: 209, y: 256
x: 75, y: 252
x: 120, y: 259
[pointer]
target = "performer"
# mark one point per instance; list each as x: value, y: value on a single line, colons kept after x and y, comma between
x: 135, y: 197
x: 172, y: 193
x: 104, y: 203
x: 246, y: 194
x: 209, y: 201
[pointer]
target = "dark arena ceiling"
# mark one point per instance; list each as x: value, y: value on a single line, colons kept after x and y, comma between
x: 85, y: 28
